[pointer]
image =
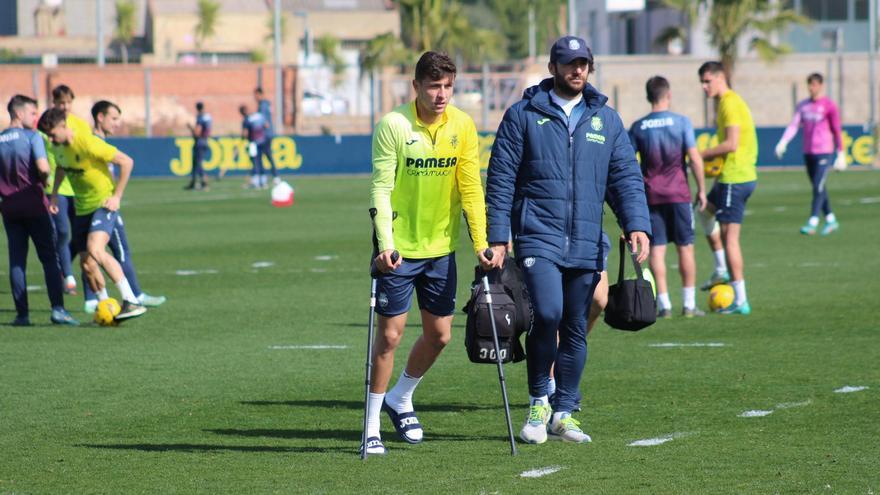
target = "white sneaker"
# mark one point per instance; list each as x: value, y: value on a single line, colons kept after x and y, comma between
x: 535, y: 429
x: 91, y: 306
x: 565, y: 428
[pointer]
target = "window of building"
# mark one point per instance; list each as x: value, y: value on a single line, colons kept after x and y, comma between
x: 861, y: 10
x: 825, y: 10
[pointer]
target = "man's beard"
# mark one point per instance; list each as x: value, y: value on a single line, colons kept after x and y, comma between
x: 563, y: 88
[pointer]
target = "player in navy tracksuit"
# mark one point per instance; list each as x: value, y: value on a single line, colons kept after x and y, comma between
x: 255, y: 128
x: 25, y: 209
x: 201, y: 132
x: 557, y: 155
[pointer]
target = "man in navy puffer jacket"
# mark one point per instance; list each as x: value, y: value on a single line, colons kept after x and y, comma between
x: 558, y: 155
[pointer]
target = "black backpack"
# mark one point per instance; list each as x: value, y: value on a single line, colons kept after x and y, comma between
x: 511, y: 309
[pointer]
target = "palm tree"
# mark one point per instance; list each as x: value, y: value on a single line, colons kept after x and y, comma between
x: 208, y: 13
x: 124, y: 33
x: 730, y: 20
x: 327, y: 47
x: 444, y: 25
x: 383, y: 51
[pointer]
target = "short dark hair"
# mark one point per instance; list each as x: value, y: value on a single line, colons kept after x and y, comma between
x: 656, y: 88
x: 62, y: 90
x: 242, y: 109
x: 259, y: 89
x: 714, y: 67
x: 102, y: 107
x: 815, y: 76
x: 434, y: 66
x: 200, y: 106
x: 50, y: 119
x: 18, y: 102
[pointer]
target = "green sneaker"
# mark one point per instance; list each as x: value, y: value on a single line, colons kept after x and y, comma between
x: 717, y: 278
x: 733, y: 309
x: 830, y: 227
x: 151, y: 301
x: 808, y: 229
x: 567, y: 429
x: 535, y: 429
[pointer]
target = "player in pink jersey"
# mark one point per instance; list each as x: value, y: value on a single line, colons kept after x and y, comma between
x: 823, y: 147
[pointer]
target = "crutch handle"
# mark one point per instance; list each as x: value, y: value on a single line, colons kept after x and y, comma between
x: 489, y: 254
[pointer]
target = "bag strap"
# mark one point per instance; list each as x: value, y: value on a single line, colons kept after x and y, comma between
x: 635, y: 262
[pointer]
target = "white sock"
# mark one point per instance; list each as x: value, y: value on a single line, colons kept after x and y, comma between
x: 125, y: 291
x: 400, y: 397
x: 813, y: 221
x: 739, y: 286
x: 663, y: 301
x: 103, y: 294
x: 70, y: 280
x: 551, y: 386
x: 374, y: 407
x: 542, y: 398
x: 720, y: 261
x: 688, y: 296
x: 829, y: 218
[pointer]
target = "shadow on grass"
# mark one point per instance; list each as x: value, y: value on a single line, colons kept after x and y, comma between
x: 352, y: 435
x: 195, y: 448
x: 351, y: 404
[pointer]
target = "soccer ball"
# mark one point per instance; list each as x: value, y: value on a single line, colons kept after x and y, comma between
x: 720, y: 297
x: 105, y: 314
x: 712, y: 168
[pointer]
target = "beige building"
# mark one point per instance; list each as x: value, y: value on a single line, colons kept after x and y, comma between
x: 165, y: 29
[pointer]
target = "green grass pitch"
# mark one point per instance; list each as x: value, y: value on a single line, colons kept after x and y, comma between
x: 206, y: 394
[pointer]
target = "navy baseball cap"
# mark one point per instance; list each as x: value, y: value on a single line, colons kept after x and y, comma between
x: 570, y: 48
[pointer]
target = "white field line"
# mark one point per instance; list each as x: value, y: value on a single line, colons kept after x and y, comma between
x: 650, y: 442
x: 262, y: 264
x: 688, y: 344
x: 789, y: 405
x: 537, y: 473
x: 779, y: 209
x: 866, y: 201
x: 326, y: 257
x: 757, y: 413
x: 187, y: 273
x: 303, y: 347
x: 850, y: 389
x: 33, y: 288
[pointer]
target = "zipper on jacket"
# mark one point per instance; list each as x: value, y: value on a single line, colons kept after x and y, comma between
x: 570, y: 202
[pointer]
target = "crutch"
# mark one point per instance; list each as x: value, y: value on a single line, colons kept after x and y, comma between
x: 374, y: 275
x: 489, y: 254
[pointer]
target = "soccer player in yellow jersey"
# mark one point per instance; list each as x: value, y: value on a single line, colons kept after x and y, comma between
x: 62, y: 99
x: 83, y: 157
x: 738, y: 145
x: 425, y: 173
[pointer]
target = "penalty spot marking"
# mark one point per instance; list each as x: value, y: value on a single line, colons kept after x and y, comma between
x: 756, y: 413
x: 262, y: 264
x: 849, y: 389
x: 537, y: 473
x: 668, y: 345
x: 309, y: 347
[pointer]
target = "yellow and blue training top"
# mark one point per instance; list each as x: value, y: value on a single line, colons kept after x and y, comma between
x: 423, y: 177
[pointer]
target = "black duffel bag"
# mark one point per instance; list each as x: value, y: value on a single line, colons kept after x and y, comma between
x: 511, y: 311
x: 631, y: 303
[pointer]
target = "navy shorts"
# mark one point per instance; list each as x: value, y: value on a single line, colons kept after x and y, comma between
x: 100, y: 220
x: 434, y: 280
x: 672, y: 222
x: 730, y: 200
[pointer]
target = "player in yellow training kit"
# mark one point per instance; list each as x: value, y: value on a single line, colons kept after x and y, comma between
x: 425, y: 173
x: 83, y: 157
x: 738, y: 145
